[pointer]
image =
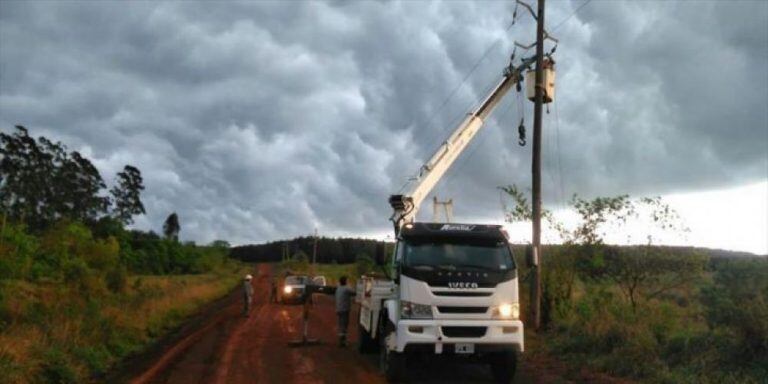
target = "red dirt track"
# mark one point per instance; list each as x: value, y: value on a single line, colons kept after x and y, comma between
x: 229, y: 348
x: 221, y: 346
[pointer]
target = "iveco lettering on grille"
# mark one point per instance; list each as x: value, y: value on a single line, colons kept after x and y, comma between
x: 461, y: 284
x: 457, y: 227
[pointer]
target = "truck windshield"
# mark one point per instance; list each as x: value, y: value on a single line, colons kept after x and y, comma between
x: 296, y: 280
x: 451, y: 256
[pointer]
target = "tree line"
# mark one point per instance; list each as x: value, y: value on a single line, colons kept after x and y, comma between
x: 41, y: 183
x: 58, y: 215
x: 329, y: 250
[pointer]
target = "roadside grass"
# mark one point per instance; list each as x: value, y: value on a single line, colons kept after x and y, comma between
x: 714, y: 331
x: 54, y: 333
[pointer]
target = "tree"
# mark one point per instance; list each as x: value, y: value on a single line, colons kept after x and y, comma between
x: 171, y: 227
x: 223, y: 244
x: 25, y: 172
x: 40, y: 182
x: 647, y: 272
x: 363, y: 264
x: 127, y: 195
x: 642, y: 271
x: 78, y: 185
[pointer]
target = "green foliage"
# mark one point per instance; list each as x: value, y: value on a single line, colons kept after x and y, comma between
x: 597, y: 212
x: 57, y: 367
x: 648, y: 312
x: 559, y: 280
x: 737, y: 308
x: 95, y: 358
x: 17, y: 250
x: 41, y: 183
x: 117, y: 279
x: 222, y: 244
x: 171, y: 227
x: 363, y: 264
x: 126, y: 195
x: 299, y: 262
x: 644, y: 272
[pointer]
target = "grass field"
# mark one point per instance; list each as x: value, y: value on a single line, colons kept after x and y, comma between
x: 54, y: 333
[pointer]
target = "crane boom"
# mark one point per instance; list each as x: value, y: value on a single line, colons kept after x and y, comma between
x: 406, y: 205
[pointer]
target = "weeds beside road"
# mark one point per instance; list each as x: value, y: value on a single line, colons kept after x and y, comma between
x: 59, y: 332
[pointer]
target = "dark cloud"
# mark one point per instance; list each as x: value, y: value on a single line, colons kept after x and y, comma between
x: 260, y: 120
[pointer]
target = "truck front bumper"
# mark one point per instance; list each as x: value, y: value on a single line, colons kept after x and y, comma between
x: 484, y: 334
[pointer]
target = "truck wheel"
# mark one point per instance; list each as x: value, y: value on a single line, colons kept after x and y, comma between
x: 365, y: 343
x: 503, y: 366
x: 391, y: 363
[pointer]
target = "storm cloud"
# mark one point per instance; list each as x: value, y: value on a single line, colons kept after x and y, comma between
x: 262, y: 120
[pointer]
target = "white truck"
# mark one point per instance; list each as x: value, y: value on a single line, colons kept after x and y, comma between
x: 452, y: 288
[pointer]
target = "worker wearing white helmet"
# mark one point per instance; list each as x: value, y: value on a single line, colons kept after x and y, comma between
x: 247, y: 295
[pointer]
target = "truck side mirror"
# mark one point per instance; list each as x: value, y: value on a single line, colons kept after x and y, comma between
x: 396, y: 270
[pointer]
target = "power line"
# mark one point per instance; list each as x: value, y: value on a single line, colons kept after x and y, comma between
x: 466, y: 77
x: 559, y: 162
x: 571, y: 15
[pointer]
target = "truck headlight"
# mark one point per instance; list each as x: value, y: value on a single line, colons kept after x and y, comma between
x: 507, y: 311
x: 410, y: 310
x: 288, y: 289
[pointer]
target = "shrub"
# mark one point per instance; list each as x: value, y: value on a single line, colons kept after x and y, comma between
x: 363, y: 264
x: 17, y: 249
x: 117, y: 279
x: 96, y: 358
x: 57, y: 368
x: 737, y: 301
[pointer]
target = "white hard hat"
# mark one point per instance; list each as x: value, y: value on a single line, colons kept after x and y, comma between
x: 248, y: 277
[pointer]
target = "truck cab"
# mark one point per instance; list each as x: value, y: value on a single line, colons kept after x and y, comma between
x: 453, y: 291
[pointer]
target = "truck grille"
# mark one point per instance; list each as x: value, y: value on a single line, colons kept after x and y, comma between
x: 443, y: 309
x: 464, y: 331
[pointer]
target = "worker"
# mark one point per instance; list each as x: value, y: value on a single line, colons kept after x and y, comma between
x: 343, y: 303
x: 247, y: 295
x: 273, y: 290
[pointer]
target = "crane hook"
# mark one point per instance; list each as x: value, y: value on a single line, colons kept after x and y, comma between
x: 521, y: 133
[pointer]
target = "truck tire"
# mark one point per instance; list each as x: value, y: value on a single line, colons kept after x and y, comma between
x: 365, y: 343
x: 391, y: 363
x: 503, y: 366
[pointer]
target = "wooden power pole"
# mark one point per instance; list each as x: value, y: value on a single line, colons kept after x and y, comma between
x: 536, y: 169
x: 314, y: 249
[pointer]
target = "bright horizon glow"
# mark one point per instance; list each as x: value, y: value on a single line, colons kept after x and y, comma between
x: 733, y: 219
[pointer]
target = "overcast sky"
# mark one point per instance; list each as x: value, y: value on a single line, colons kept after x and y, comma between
x: 258, y: 121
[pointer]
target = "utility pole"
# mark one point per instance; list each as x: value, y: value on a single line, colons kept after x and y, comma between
x: 314, y: 249
x: 536, y: 170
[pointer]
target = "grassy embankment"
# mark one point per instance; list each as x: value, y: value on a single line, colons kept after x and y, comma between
x: 55, y: 334
x: 704, y: 325
x: 72, y: 304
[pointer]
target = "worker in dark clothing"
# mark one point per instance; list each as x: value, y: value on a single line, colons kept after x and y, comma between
x: 343, y: 304
x: 273, y: 291
x: 247, y: 295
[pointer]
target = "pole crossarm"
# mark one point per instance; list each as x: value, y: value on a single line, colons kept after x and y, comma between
x: 528, y: 7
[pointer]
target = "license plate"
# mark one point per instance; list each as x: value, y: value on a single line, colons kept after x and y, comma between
x: 464, y: 348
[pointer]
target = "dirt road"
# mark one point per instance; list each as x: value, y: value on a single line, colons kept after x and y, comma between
x: 222, y: 346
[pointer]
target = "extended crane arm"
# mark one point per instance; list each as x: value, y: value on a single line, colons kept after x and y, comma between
x: 406, y: 205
